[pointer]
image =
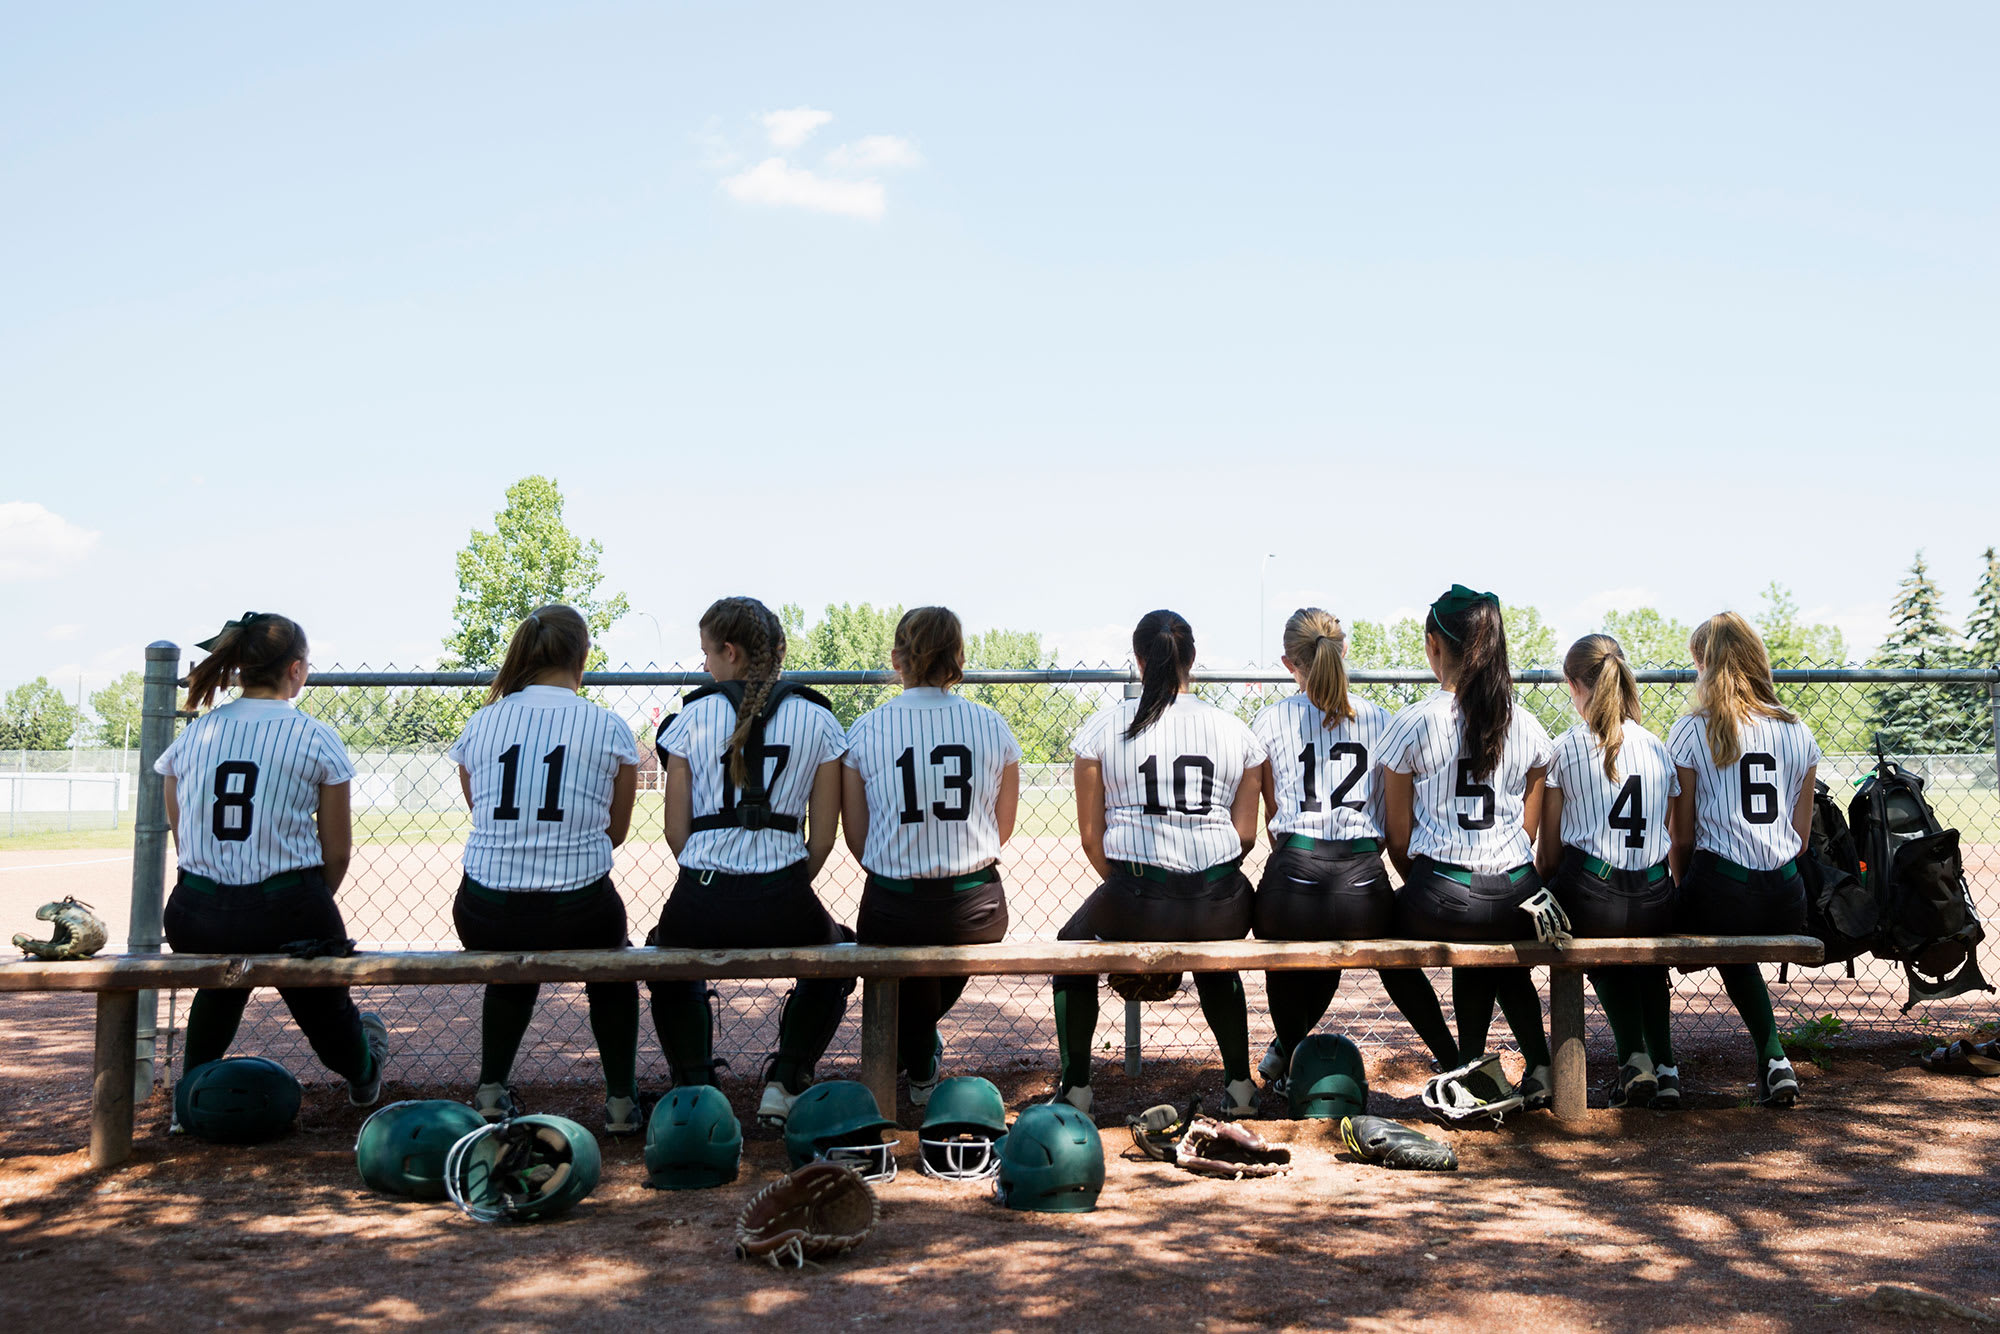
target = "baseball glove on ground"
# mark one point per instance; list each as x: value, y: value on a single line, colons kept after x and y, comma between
x: 1224, y: 1149
x: 1145, y: 986
x: 814, y: 1213
x: 1393, y: 1144
x: 78, y: 934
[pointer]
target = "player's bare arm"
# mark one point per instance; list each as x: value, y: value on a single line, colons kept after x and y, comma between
x: 1090, y: 814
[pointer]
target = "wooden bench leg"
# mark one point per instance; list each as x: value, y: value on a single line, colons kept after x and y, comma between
x: 1566, y: 1041
x: 111, y: 1078
x: 878, y: 1040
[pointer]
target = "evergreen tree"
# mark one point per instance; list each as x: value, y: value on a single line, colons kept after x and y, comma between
x: 1921, y: 719
x: 1982, y: 629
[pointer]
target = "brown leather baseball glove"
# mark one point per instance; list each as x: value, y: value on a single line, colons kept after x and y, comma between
x: 814, y: 1213
x: 1224, y: 1149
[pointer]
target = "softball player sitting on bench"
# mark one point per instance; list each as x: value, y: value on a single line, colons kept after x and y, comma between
x: 1603, y: 850
x: 930, y: 786
x: 257, y: 796
x: 1463, y: 793
x: 752, y: 809
x: 1747, y: 767
x: 550, y: 778
x: 1165, y: 815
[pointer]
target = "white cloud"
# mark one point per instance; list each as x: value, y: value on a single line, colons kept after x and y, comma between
x: 62, y: 632
x: 35, y: 542
x: 875, y: 152
x: 789, y: 129
x: 776, y: 182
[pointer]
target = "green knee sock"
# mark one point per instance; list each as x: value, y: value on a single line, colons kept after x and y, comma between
x: 1076, y: 1028
x: 1617, y: 992
x: 1228, y: 1016
x: 1522, y: 1005
x: 213, y: 1018
x: 1472, y: 993
x: 1417, y: 1001
x: 684, y: 1022
x: 614, y: 1022
x: 1655, y: 993
x: 1745, y: 984
x: 503, y: 1022
x: 1298, y: 999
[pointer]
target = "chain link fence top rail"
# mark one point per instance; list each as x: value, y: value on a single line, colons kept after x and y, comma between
x: 410, y: 824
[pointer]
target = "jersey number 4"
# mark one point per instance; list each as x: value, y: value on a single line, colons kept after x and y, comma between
x: 233, y: 815
x: 956, y: 761
x: 510, y: 764
x: 1309, y: 773
x: 1628, y: 812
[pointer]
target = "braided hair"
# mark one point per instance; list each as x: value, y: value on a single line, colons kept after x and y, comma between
x: 756, y: 630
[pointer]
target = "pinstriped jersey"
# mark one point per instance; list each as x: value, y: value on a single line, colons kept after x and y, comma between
x: 1167, y: 791
x: 1623, y: 823
x: 542, y: 762
x: 1462, y: 817
x: 930, y: 763
x: 1744, y: 811
x: 247, y: 777
x: 1324, y: 777
x: 798, y: 738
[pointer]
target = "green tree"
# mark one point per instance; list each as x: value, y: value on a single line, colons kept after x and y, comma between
x: 1043, y: 717
x: 1982, y: 628
x: 1832, y: 711
x: 1531, y: 641
x: 35, y: 716
x: 846, y: 638
x: 529, y: 560
x: 1649, y: 638
x: 117, y: 707
x: 1391, y: 646
x: 1922, y: 719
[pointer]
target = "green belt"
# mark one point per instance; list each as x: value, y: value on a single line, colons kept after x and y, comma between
x: 1338, y: 847
x: 1163, y: 876
x: 1463, y: 875
x: 956, y: 884
x: 1741, y: 874
x: 1604, y: 870
x: 278, y: 883
x: 561, y: 897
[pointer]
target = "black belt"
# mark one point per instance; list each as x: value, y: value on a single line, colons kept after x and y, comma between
x: 956, y: 884
x: 1161, y: 875
x: 276, y: 884
x: 1604, y: 870
x: 1333, y: 847
x: 1741, y: 874
x: 1463, y: 874
x: 741, y: 818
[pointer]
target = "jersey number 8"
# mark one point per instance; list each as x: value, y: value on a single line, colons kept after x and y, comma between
x: 233, y: 815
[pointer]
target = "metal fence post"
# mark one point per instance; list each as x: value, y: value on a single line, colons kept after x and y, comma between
x: 1993, y: 694
x: 1133, y: 1053
x: 149, y: 843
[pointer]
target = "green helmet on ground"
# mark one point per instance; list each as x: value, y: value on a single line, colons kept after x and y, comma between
x: 963, y: 1124
x: 524, y: 1168
x: 1328, y: 1079
x: 401, y: 1149
x: 1051, y: 1162
x: 237, y: 1100
x: 693, y: 1140
x: 840, y: 1121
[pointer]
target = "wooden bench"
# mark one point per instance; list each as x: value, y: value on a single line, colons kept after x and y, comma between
x: 118, y: 980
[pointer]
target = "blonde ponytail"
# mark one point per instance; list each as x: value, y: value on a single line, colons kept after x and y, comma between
x: 1734, y: 683
x: 1598, y: 663
x: 1317, y: 646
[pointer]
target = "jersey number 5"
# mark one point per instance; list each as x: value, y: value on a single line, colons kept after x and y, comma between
x: 233, y: 815
x: 510, y: 764
x: 1480, y: 792
x: 1760, y: 800
x: 956, y: 761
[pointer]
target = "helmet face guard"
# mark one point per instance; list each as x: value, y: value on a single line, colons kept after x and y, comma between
x: 527, y: 1167
x: 870, y: 1162
x: 960, y: 1158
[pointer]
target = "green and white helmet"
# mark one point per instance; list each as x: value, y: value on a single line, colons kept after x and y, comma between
x: 524, y: 1168
x: 839, y: 1120
x: 963, y: 1124
x: 1051, y: 1162
x: 237, y: 1100
x: 1328, y: 1079
x: 693, y: 1140
x: 401, y: 1148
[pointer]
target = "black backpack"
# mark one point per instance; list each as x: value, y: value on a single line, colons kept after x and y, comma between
x: 1840, y: 909
x: 1912, y: 868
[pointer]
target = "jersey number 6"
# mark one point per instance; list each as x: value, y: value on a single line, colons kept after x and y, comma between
x: 1760, y: 800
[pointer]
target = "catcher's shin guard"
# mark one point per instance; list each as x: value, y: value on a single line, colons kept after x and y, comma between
x: 813, y: 1010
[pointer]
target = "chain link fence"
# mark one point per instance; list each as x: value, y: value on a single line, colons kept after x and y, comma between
x: 411, y: 822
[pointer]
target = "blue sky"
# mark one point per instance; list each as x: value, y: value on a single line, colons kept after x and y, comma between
x: 1053, y: 313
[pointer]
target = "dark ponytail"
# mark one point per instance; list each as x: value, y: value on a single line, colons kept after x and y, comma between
x: 756, y: 630
x: 1475, y: 643
x: 552, y: 638
x: 1163, y: 643
x: 254, y: 652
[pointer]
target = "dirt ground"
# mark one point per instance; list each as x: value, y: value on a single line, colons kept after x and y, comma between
x: 1720, y: 1217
